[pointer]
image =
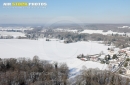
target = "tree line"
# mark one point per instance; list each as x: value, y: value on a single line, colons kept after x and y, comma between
x: 120, y: 41
x: 24, y: 71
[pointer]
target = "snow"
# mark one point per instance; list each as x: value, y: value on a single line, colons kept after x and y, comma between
x: 102, y: 56
x: 15, y: 28
x: 101, y: 32
x: 53, y: 51
x: 92, y: 31
x: 14, y: 34
x: 65, y: 30
x: 124, y: 27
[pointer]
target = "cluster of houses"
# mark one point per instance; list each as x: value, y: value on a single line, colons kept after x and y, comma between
x: 116, y: 59
x: 122, y: 64
x: 95, y: 57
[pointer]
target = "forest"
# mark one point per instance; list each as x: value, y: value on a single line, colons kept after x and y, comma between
x: 23, y: 71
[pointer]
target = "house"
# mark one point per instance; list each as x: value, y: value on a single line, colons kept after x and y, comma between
x: 113, y: 61
x: 128, y: 53
x: 83, y: 59
x: 110, y: 66
x: 68, y: 41
x: 102, y: 57
x: 80, y: 56
x: 21, y: 37
x: 125, y: 70
x: 93, y: 58
x: 128, y: 72
x: 122, y: 51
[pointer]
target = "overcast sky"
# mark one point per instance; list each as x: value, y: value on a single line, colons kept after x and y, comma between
x: 83, y: 11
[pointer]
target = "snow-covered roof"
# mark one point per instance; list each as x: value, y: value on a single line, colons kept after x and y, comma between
x: 102, y: 56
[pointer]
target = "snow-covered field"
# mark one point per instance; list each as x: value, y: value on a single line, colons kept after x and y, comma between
x: 53, y: 51
x: 93, y: 31
x: 65, y: 30
x: 101, y: 32
x: 124, y: 27
x: 14, y: 34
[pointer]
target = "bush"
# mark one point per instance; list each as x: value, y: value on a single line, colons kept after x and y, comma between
x: 127, y: 59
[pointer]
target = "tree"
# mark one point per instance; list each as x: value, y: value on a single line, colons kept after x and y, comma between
x: 36, y: 59
x: 101, y: 52
x: 120, y: 72
x: 32, y: 72
x: 114, y: 56
x: 127, y: 59
x: 106, y: 58
x: 126, y: 64
x: 82, y: 55
x: 109, y: 57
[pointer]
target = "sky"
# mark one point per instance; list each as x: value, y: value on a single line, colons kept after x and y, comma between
x: 78, y: 11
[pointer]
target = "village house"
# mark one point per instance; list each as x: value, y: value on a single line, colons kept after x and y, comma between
x: 101, y: 58
x: 94, y: 57
x: 122, y: 51
x: 125, y: 70
x: 128, y: 53
x: 128, y: 72
x: 83, y: 59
